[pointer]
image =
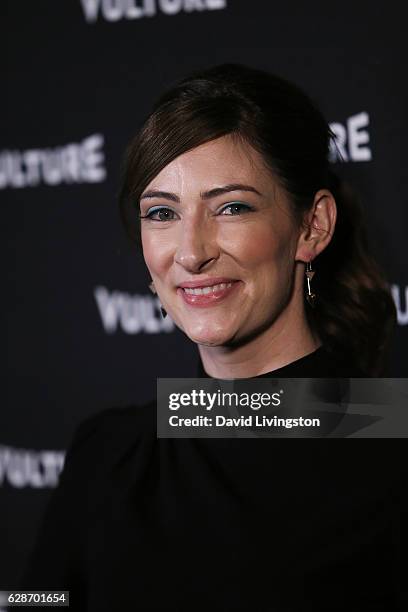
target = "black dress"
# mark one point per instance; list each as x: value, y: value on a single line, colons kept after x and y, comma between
x: 261, y: 525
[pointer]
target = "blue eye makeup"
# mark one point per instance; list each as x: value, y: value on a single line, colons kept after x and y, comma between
x: 237, y: 206
x: 163, y: 213
x: 158, y: 209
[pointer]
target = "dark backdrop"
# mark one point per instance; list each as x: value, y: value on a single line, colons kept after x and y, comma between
x: 84, y: 332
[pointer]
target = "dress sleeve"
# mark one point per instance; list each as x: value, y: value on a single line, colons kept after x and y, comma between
x: 57, y: 559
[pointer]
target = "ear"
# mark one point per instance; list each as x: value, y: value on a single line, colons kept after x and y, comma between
x: 318, y: 226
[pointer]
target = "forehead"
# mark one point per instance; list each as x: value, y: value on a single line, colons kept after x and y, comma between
x: 225, y: 160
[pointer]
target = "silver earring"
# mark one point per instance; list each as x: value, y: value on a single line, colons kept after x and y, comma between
x: 310, y: 296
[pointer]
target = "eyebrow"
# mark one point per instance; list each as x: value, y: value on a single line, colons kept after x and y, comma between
x: 205, y: 195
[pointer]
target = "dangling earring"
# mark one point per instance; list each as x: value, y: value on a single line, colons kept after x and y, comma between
x: 153, y: 290
x: 310, y: 296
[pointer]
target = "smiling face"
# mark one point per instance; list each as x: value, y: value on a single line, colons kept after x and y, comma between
x: 216, y: 216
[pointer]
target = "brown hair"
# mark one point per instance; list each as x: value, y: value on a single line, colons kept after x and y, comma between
x: 355, y: 313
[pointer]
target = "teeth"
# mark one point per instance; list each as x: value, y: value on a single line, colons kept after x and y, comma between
x: 207, y: 290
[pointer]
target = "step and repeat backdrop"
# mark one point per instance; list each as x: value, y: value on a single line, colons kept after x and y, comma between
x: 83, y: 330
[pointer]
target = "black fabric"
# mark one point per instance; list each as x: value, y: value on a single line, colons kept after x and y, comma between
x: 140, y: 523
x: 319, y: 364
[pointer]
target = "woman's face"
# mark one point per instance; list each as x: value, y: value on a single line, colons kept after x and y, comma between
x: 217, y: 217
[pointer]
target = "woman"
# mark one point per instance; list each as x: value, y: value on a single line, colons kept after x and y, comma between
x: 258, y: 256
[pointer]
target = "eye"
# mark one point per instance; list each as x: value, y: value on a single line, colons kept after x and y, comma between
x: 162, y: 214
x: 236, y: 208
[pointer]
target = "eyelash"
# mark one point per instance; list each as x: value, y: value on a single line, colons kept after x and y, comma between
x: 160, y: 208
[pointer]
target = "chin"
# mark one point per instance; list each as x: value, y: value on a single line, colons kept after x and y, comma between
x: 204, y: 343
x: 208, y: 340
x: 208, y: 337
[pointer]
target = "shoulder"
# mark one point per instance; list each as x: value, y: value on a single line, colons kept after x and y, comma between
x: 108, y: 423
x: 101, y: 446
x: 100, y: 439
x: 111, y: 420
x: 103, y: 443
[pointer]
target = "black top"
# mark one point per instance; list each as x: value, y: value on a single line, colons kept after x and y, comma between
x: 140, y: 523
x: 319, y: 364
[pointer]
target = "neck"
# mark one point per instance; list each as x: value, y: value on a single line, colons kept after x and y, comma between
x: 289, y: 338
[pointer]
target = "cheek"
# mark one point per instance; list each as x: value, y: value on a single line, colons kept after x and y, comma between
x: 155, y: 252
x: 263, y: 246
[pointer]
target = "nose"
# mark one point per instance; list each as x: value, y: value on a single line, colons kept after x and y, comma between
x: 197, y: 245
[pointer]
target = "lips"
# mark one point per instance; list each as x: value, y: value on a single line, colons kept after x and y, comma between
x: 206, y: 282
x: 208, y: 295
x: 207, y: 290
